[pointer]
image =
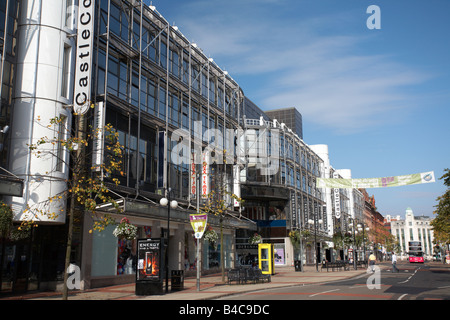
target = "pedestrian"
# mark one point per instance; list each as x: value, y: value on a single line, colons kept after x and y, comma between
x: 372, y: 260
x: 394, y: 263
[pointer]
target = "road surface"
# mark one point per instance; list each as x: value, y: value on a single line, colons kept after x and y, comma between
x: 429, y: 281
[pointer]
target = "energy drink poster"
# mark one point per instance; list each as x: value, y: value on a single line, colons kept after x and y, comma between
x: 149, y: 260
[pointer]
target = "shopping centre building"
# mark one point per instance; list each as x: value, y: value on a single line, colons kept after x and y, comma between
x: 159, y: 91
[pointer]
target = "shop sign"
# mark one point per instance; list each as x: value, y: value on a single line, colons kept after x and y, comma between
x: 337, y: 199
x: 83, y: 64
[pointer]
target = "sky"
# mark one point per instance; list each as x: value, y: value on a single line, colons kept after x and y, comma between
x: 378, y: 97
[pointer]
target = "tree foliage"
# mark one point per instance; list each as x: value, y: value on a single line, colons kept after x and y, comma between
x: 86, y: 183
x: 85, y: 188
x: 441, y: 223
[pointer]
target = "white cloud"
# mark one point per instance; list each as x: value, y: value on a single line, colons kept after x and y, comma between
x: 326, y: 76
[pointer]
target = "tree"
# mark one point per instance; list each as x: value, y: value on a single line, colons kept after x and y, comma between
x: 217, y: 205
x: 85, y: 187
x: 441, y: 224
x: 216, y: 202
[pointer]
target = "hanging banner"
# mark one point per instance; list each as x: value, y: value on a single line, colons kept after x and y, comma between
x: 395, y: 181
x: 206, y: 160
x: 198, y: 223
x: 193, y: 179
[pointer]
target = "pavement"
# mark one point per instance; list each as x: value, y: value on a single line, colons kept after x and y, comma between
x: 211, y: 286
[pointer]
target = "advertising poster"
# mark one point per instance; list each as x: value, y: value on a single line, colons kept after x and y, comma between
x: 149, y: 260
x: 279, y: 256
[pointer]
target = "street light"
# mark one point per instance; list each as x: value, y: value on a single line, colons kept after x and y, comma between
x: 352, y: 225
x: 361, y: 227
x: 173, y: 204
x: 310, y: 221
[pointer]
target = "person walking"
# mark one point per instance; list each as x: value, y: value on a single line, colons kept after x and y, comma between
x: 372, y: 260
x: 394, y: 262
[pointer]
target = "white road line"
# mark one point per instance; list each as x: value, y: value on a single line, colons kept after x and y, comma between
x: 401, y: 297
x: 316, y: 294
x: 409, y: 278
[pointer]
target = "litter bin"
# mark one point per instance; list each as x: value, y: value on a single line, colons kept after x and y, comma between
x: 298, y: 265
x: 177, y: 280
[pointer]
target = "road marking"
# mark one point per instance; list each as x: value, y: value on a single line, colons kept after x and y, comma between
x: 316, y: 294
x: 444, y: 287
x: 409, y: 278
x: 401, y: 297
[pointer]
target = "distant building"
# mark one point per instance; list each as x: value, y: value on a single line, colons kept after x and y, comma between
x: 413, y: 228
x: 290, y: 117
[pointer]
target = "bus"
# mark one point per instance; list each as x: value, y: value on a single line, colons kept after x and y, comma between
x: 415, y: 252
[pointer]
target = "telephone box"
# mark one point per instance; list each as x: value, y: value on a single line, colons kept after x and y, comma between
x: 266, y: 258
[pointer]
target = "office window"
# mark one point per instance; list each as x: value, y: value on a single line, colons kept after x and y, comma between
x: 174, y: 109
x: 152, y: 97
x: 212, y: 90
x: 69, y: 14
x: 65, y: 71
x: 185, y: 71
x: 195, y: 78
x: 205, y: 85
x: 61, y: 135
x: 163, y: 54
x: 162, y: 103
x: 174, y: 63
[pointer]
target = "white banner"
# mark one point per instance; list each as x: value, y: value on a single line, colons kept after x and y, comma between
x: 395, y: 181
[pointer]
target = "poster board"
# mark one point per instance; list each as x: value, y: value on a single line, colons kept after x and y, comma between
x: 150, y: 260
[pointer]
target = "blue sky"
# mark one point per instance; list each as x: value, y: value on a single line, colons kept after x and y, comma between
x: 380, y: 98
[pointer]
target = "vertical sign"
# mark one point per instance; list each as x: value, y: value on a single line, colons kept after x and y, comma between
x: 337, y: 199
x: 205, y: 175
x: 306, y: 211
x: 193, y: 177
x: 83, y: 64
x: 236, y: 184
x: 97, y: 145
x: 293, y: 210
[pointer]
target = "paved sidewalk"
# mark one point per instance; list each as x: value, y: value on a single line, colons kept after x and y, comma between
x: 211, y: 287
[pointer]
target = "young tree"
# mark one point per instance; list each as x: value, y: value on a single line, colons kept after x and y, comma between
x: 85, y: 187
x: 441, y: 224
x: 217, y: 204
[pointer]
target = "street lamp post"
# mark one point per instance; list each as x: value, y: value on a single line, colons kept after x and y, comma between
x: 362, y: 227
x: 173, y: 204
x: 310, y: 221
x: 353, y: 226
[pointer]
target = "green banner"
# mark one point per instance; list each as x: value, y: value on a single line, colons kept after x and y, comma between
x: 395, y: 181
